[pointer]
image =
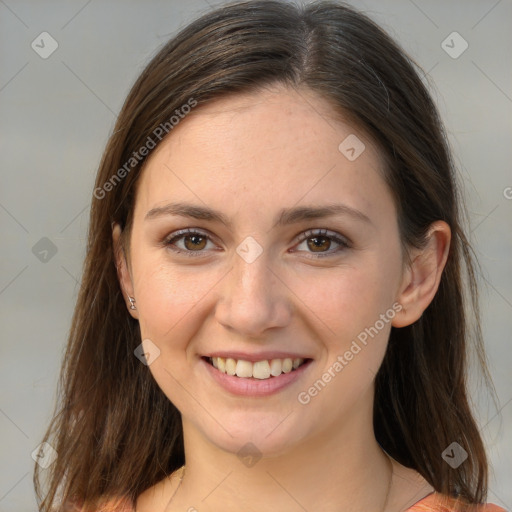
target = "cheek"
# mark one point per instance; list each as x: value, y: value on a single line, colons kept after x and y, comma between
x: 167, y: 294
x: 353, y: 311
x: 170, y: 301
x: 344, y: 301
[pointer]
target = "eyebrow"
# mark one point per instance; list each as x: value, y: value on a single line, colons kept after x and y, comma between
x: 286, y: 216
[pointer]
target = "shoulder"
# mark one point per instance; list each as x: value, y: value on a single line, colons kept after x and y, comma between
x: 437, y: 502
x: 158, y: 496
x: 155, y: 497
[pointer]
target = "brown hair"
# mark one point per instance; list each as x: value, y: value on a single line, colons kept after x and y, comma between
x: 115, y: 431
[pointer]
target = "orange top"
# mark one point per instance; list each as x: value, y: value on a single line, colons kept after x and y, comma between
x: 434, y: 502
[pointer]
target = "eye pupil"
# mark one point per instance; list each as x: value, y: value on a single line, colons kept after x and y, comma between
x: 195, y: 243
x: 317, y: 245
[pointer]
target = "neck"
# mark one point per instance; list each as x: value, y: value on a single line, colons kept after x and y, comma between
x: 336, y: 468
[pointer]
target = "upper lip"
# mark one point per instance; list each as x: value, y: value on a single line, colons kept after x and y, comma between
x: 260, y: 356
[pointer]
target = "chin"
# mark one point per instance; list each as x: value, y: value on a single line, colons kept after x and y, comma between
x: 257, y: 434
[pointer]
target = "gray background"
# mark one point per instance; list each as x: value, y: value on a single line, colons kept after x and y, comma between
x: 57, y: 113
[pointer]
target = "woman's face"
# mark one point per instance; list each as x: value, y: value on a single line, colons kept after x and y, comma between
x: 266, y: 285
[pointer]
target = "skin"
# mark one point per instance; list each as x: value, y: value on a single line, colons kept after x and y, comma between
x: 249, y: 156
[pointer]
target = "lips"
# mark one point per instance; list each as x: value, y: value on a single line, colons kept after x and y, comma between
x: 260, y: 383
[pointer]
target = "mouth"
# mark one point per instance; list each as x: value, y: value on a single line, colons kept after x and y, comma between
x: 264, y: 369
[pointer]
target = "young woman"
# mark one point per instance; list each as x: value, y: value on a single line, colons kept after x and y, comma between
x: 273, y: 314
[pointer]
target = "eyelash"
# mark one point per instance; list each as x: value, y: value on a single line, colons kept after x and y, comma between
x: 324, y: 233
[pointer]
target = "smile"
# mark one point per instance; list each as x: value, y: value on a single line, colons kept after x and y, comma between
x: 257, y: 378
x: 264, y: 369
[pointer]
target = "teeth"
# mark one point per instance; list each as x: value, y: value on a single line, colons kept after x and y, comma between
x: 258, y: 370
x: 230, y: 366
x: 276, y: 367
x: 243, y: 368
x: 287, y: 365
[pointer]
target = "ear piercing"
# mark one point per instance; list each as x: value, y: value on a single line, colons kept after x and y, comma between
x: 132, y: 302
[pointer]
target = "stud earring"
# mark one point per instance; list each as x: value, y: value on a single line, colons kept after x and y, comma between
x: 132, y: 303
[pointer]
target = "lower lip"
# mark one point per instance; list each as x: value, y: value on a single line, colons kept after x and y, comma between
x: 255, y: 387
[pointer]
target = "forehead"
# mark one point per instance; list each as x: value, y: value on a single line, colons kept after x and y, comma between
x: 247, y: 152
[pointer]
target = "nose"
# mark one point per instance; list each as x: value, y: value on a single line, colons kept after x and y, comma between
x: 253, y: 298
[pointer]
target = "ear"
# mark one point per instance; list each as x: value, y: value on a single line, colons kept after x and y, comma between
x: 123, y: 271
x: 422, y: 277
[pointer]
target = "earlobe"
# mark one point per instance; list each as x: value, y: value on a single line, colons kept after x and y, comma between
x: 123, y: 273
x: 422, y: 277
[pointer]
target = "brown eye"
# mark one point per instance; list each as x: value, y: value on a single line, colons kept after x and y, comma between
x: 193, y: 242
x: 320, y: 242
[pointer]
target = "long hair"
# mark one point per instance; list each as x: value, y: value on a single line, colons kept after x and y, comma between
x: 115, y: 432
